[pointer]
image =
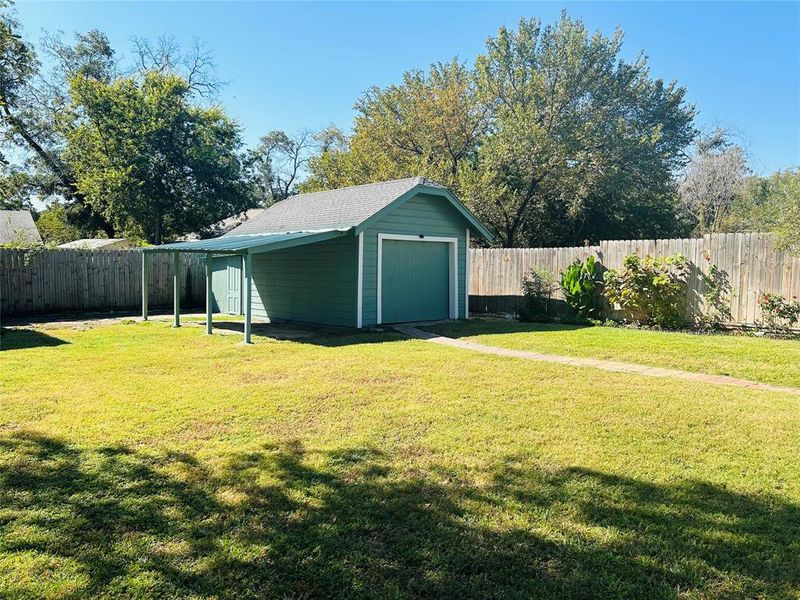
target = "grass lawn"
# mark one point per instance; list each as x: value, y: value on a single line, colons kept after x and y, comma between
x: 756, y: 358
x: 137, y: 460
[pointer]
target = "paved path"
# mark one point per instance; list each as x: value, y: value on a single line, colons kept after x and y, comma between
x: 605, y: 365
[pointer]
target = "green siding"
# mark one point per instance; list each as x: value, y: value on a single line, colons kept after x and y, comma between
x: 415, y: 281
x: 421, y: 215
x: 314, y: 283
x: 317, y: 283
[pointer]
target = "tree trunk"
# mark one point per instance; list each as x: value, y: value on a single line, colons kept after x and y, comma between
x: 107, y: 227
x: 157, y: 232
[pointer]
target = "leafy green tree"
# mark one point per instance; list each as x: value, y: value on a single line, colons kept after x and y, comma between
x: 783, y: 192
x: 573, y: 122
x: 54, y: 226
x: 770, y: 204
x: 15, y: 189
x: 430, y: 125
x: 33, y: 105
x: 552, y: 138
x: 149, y: 160
x: 36, y: 105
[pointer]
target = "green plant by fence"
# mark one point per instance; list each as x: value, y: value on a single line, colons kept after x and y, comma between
x: 59, y: 281
x: 728, y: 270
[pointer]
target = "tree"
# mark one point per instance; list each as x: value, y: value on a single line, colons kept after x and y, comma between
x: 33, y: 113
x: 551, y: 137
x: 430, y: 125
x: 783, y: 191
x: 36, y: 115
x: 15, y: 189
x: 150, y: 161
x: 54, y: 226
x: 278, y: 162
x: 770, y: 204
x: 714, y: 178
x: 573, y: 123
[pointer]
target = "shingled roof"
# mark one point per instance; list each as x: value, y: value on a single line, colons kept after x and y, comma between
x: 17, y: 226
x: 333, y: 209
x: 309, y: 218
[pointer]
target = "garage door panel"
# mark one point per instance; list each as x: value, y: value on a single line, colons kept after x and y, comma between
x: 415, y: 281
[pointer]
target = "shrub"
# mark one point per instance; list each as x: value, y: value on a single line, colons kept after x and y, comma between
x: 581, y: 283
x: 650, y: 290
x: 777, y: 312
x: 537, y: 288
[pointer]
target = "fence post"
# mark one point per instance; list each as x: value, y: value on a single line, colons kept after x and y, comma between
x: 176, y: 289
x: 209, y: 292
x: 145, y: 285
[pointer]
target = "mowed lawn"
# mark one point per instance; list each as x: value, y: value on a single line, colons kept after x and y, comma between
x: 747, y: 357
x: 137, y: 460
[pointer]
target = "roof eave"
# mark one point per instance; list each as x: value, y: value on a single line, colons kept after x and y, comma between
x: 247, y: 246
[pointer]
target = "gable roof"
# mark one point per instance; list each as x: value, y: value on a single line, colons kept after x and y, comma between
x: 18, y: 226
x: 346, y: 208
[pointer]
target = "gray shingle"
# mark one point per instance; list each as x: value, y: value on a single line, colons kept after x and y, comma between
x: 17, y: 226
x: 332, y: 209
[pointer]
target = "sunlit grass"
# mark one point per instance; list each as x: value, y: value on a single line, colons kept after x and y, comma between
x: 137, y: 460
x: 746, y: 357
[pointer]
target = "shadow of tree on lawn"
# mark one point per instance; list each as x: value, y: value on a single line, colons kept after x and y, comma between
x: 286, y: 522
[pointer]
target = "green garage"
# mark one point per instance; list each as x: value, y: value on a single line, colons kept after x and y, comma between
x: 382, y: 253
x: 415, y: 280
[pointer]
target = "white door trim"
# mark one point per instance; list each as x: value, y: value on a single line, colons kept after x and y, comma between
x: 360, y: 292
x: 453, y: 250
x: 467, y: 274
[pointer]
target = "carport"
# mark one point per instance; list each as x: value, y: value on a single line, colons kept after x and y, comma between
x: 245, y: 246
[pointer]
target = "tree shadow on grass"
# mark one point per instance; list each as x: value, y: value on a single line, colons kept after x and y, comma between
x: 286, y: 522
x: 18, y: 338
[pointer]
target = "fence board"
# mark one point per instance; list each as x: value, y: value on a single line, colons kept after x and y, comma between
x: 748, y: 261
x: 60, y: 280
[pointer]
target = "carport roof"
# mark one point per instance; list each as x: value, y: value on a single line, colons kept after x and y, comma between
x: 250, y: 243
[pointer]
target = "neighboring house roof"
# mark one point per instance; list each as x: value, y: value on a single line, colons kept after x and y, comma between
x: 226, y: 225
x: 97, y: 244
x: 345, y: 208
x: 17, y: 226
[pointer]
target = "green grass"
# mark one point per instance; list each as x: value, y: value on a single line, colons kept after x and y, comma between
x: 137, y: 460
x: 746, y: 357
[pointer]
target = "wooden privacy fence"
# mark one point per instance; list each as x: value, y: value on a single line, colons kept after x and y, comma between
x: 59, y: 281
x: 748, y: 262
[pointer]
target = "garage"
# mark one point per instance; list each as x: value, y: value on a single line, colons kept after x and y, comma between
x: 380, y: 253
x: 416, y: 278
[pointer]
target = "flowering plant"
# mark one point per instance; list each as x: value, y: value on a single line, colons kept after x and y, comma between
x: 777, y: 311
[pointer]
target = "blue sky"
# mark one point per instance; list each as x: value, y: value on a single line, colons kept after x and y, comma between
x: 296, y: 66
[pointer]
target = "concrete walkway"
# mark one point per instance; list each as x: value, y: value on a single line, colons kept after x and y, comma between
x: 605, y: 365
